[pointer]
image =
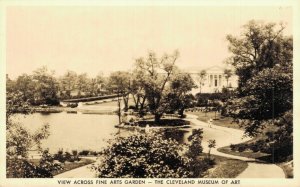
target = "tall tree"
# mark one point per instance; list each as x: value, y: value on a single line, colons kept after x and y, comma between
x: 46, y: 86
x: 100, y: 82
x: 119, y: 82
x: 157, y: 75
x: 138, y: 92
x: 181, y: 85
x: 262, y: 56
x: 260, y: 46
x: 25, y: 85
x: 68, y: 82
x: 82, y: 83
x: 19, y: 141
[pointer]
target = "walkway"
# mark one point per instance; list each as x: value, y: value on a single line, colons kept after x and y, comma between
x: 225, y: 136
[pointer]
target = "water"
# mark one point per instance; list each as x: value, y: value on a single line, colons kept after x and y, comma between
x: 75, y: 131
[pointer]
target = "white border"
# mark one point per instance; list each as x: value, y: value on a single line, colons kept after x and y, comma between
x: 244, y: 182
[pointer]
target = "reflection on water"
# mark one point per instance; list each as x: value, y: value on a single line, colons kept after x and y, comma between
x: 179, y: 135
x: 71, y: 131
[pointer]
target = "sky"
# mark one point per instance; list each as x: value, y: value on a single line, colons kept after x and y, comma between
x: 106, y: 39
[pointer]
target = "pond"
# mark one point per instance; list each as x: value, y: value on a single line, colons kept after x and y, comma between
x: 76, y: 131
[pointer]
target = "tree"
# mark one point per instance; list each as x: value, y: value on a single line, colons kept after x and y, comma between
x: 100, y: 81
x: 157, y: 75
x: 119, y: 82
x: 92, y: 87
x: 201, y: 79
x: 46, y: 87
x: 68, y: 82
x: 260, y: 46
x: 24, y: 84
x: 227, y: 73
x: 262, y: 57
x: 138, y: 92
x: 19, y: 141
x: 181, y: 85
x: 82, y: 83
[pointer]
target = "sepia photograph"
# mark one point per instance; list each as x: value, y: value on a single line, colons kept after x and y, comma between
x: 188, y: 94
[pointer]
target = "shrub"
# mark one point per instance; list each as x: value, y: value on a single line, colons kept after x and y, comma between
x: 84, y: 152
x: 68, y: 156
x: 59, y: 156
x: 144, y: 156
x: 22, y: 168
x: 232, y: 147
x: 242, y: 147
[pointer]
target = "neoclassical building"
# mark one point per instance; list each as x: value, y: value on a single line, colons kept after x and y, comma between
x: 214, y: 80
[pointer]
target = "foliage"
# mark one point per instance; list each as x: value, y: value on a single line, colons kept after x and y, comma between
x: 211, y: 144
x: 19, y: 141
x: 46, y: 87
x: 262, y: 57
x: 149, y: 156
x: 67, y: 83
x: 119, y: 83
x: 195, y: 139
x: 139, y: 156
x: 205, y: 99
x: 196, y: 165
x: 63, y: 157
x: 179, y: 96
x: 159, y: 84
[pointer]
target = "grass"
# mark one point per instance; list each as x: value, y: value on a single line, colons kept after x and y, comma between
x: 67, y: 166
x: 226, y: 167
x: 218, y: 119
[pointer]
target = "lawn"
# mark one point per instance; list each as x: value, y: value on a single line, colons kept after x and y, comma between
x: 218, y: 119
x: 226, y: 167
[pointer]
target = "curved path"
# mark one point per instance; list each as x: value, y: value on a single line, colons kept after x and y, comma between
x: 225, y: 136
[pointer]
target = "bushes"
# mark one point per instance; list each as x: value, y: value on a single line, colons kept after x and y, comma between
x: 22, y: 168
x: 242, y: 148
x: 204, y: 98
x: 84, y: 152
x: 63, y: 157
x: 150, y: 156
x: 239, y: 147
